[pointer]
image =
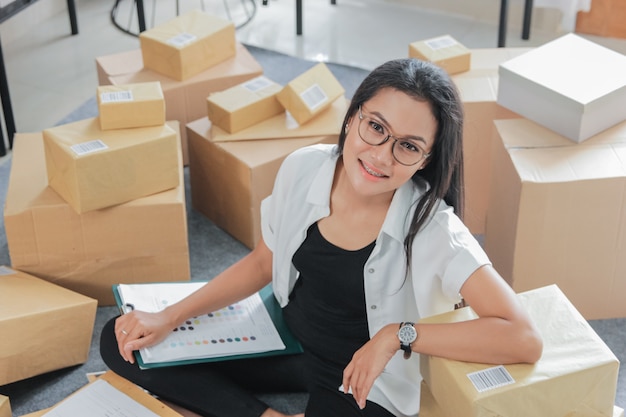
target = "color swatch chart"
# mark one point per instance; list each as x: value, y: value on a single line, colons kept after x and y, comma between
x: 240, y: 328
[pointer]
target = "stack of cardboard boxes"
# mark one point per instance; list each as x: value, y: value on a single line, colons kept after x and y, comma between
x: 576, y: 375
x: 234, y: 160
x: 475, y: 73
x: 191, y: 56
x: 556, y: 209
x: 101, y: 201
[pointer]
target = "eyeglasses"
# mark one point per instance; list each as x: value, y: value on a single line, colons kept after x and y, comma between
x: 408, y: 152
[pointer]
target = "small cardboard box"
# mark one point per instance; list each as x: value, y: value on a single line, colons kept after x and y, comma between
x: 576, y: 375
x: 478, y: 88
x: 185, y: 101
x: 244, y: 105
x: 310, y: 93
x: 570, y: 85
x: 5, y: 407
x: 444, y: 51
x: 131, y: 105
x: 44, y: 327
x: 188, y: 44
x: 93, y: 168
x: 230, y: 179
x: 556, y: 214
x: 144, y: 240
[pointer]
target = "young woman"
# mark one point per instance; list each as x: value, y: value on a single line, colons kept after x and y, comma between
x: 360, y: 240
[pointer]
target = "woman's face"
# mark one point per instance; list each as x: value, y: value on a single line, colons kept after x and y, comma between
x: 373, y: 170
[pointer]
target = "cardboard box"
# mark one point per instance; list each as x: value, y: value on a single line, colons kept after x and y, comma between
x: 144, y: 240
x: 93, y: 168
x: 576, y: 375
x: 131, y: 105
x: 556, y: 214
x: 44, y: 327
x: 188, y: 44
x: 478, y: 88
x: 122, y: 63
x: 185, y: 101
x: 136, y: 393
x: 430, y: 408
x: 244, y: 105
x: 230, y: 179
x: 445, y: 51
x: 570, y: 85
x: 5, y: 407
x: 310, y: 93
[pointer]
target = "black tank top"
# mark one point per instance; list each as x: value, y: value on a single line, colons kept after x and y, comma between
x: 326, y: 311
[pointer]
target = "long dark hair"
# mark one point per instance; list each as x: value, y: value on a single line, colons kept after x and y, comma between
x: 443, y: 172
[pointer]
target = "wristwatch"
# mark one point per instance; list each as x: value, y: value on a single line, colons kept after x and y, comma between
x: 407, y: 335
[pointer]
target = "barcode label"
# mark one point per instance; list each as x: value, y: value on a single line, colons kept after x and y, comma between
x: 257, y: 84
x: 182, y: 39
x: 89, y: 147
x: 490, y: 378
x: 4, y: 270
x: 440, y: 42
x: 314, y: 96
x: 116, y: 96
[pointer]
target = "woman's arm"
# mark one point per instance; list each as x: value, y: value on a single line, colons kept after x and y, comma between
x: 245, y: 277
x: 502, y: 334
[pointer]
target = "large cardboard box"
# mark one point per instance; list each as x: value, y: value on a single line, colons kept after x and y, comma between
x: 570, y: 85
x: 230, y: 179
x: 188, y: 44
x: 5, y: 407
x: 429, y: 407
x: 93, y: 168
x: 185, y: 101
x: 44, y: 327
x: 557, y: 214
x: 244, y: 105
x: 576, y: 375
x: 144, y: 240
x: 132, y: 105
x: 445, y: 51
x: 310, y: 93
x: 478, y: 88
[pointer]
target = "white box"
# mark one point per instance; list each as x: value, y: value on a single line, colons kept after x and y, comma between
x: 570, y: 85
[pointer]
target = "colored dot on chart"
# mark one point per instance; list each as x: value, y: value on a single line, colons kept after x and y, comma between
x: 245, y: 339
x: 229, y: 340
x: 231, y: 307
x: 213, y: 341
x: 205, y: 342
x: 252, y: 338
x: 210, y: 314
x: 222, y: 340
x: 197, y: 342
x: 237, y: 339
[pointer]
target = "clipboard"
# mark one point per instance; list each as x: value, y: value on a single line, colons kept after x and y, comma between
x: 292, y: 345
x: 128, y: 388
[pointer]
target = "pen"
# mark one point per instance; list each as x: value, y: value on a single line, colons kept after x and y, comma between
x: 126, y: 308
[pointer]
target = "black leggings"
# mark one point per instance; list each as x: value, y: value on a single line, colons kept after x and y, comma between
x: 227, y: 388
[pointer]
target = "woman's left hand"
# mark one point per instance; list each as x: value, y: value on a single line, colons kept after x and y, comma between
x: 368, y: 363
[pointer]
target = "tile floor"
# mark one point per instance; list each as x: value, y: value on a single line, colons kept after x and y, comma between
x: 50, y: 72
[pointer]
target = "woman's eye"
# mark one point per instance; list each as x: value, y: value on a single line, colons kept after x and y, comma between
x: 409, y: 146
x: 377, y: 127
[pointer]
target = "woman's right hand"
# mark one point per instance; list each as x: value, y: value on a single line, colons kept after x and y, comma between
x: 139, y: 329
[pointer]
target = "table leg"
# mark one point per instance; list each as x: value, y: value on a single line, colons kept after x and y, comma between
x: 528, y: 13
x: 504, y: 11
x: 71, y: 9
x: 141, y: 15
x: 298, y: 17
x: 6, y: 101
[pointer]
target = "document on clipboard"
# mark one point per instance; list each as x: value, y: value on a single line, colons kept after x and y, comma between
x: 251, y: 327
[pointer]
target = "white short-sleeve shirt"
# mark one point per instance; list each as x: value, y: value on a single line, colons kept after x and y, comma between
x: 444, y: 255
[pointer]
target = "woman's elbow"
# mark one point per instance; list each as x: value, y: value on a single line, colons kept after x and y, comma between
x: 531, y: 347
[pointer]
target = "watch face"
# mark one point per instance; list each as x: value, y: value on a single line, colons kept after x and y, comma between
x: 407, y: 334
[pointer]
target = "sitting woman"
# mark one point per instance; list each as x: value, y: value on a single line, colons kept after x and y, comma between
x: 359, y: 241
